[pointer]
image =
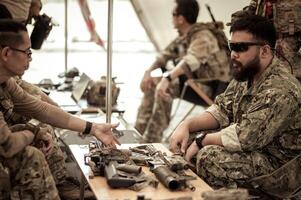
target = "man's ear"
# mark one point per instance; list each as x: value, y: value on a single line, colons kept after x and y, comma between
x: 265, y: 51
x: 5, y: 53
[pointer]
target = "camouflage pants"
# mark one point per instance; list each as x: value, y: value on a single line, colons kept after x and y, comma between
x: 30, y: 177
x: 220, y: 168
x: 154, y: 112
x: 290, y: 47
x: 56, y: 160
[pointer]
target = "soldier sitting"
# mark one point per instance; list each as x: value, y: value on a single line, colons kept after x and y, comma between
x: 67, y: 187
x: 23, y: 169
x: 286, y: 15
x: 255, y: 125
x: 200, y: 52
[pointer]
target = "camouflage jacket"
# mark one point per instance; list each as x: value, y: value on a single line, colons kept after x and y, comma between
x: 264, y: 119
x: 203, y: 49
x: 14, y: 99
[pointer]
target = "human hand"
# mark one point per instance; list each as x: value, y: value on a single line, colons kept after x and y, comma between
x: 179, y: 139
x: 103, y: 132
x: 191, y: 151
x: 147, y: 81
x: 162, y: 89
x: 44, y: 141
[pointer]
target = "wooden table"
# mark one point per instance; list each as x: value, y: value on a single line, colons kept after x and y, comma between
x: 102, y: 191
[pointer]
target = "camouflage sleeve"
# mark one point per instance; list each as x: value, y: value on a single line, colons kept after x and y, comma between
x: 222, y: 109
x: 266, y: 118
x: 28, y: 105
x: 203, y: 44
x: 170, y: 52
x: 11, y: 143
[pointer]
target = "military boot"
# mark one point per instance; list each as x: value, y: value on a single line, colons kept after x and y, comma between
x: 70, y: 190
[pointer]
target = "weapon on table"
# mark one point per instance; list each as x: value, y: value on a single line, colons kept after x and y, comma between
x: 168, y: 169
x: 113, y: 164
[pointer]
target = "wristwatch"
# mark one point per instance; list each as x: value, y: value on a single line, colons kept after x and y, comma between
x: 199, y: 139
x: 167, y: 76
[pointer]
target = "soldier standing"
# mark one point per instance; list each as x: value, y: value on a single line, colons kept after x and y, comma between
x: 199, y: 52
x: 23, y: 169
x: 286, y: 15
x: 256, y: 122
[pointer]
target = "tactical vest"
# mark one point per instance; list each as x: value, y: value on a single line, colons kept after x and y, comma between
x: 219, y: 60
x: 286, y: 14
x: 96, y: 94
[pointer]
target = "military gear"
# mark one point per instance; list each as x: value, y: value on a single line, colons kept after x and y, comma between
x: 97, y: 92
x: 204, y: 49
x: 284, y: 182
x: 286, y: 15
x: 226, y: 194
x: 260, y: 132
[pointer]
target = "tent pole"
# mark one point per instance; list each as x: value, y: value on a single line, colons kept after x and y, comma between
x: 109, y: 63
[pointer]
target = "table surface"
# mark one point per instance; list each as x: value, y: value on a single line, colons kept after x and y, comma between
x: 103, y: 191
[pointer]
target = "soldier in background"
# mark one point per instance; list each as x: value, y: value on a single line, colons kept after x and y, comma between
x: 255, y: 125
x: 199, y: 52
x: 24, y: 171
x: 286, y: 15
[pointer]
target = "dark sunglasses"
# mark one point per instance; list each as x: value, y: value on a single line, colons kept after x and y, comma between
x: 242, y: 46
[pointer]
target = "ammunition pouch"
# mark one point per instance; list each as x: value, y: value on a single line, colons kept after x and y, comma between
x: 287, y: 17
x: 97, y: 93
x: 284, y: 182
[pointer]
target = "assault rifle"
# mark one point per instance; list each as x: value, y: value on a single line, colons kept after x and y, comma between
x: 113, y: 164
x: 168, y: 169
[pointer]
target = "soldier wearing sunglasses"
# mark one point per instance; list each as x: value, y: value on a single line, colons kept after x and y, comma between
x: 199, y: 53
x: 286, y: 16
x: 251, y: 135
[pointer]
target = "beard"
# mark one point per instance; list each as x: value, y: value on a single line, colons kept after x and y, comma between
x: 245, y: 72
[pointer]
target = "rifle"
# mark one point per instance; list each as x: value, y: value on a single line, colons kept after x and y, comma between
x: 113, y: 164
x: 168, y: 169
x: 212, y: 16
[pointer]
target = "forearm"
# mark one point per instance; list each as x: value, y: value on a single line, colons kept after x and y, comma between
x: 177, y: 71
x: 157, y: 64
x: 213, y: 139
x: 205, y: 121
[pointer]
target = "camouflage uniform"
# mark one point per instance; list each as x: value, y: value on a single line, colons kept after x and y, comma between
x: 286, y: 15
x: 205, y: 50
x: 24, y: 170
x: 260, y: 132
x: 55, y: 159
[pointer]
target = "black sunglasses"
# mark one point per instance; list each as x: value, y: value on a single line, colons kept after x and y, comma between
x: 242, y: 46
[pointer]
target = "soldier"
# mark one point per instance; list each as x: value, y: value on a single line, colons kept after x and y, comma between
x: 256, y: 122
x: 286, y: 15
x: 22, y: 166
x: 67, y: 187
x: 199, y: 52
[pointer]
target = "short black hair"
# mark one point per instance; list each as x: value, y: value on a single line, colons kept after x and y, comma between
x: 262, y: 28
x: 189, y: 9
x: 10, y: 32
